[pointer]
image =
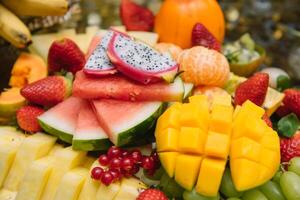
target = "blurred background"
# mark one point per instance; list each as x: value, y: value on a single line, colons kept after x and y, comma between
x: 274, y: 24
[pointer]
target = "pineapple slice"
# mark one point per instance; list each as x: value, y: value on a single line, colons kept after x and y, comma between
x: 71, y: 184
x: 130, y: 188
x: 90, y: 186
x: 108, y: 192
x: 88, y: 163
x: 65, y: 160
x: 10, y: 142
x: 33, y: 148
x: 37, y: 176
x: 7, y: 195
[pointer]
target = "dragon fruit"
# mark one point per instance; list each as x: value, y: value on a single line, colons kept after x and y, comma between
x: 98, y: 63
x: 139, y: 61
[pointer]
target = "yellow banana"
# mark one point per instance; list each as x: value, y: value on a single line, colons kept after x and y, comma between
x: 37, y: 7
x: 13, y: 29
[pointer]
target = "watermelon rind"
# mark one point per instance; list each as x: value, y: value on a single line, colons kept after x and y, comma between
x: 91, y: 145
x: 66, y: 137
x: 138, y: 132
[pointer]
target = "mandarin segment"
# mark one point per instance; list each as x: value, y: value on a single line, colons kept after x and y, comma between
x: 207, y: 185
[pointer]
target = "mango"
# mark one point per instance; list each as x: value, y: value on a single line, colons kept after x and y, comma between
x: 195, y: 139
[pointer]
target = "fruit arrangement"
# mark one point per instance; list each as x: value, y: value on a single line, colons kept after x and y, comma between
x: 124, y: 113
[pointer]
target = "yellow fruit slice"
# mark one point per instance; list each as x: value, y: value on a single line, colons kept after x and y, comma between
x: 168, y: 160
x: 7, y: 195
x: 108, y: 192
x: 272, y: 101
x: 130, y: 188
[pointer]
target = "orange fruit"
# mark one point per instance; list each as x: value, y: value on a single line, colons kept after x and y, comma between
x: 169, y: 48
x: 202, y: 66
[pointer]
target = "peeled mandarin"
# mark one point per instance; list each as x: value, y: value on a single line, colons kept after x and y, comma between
x: 202, y: 66
x: 169, y: 48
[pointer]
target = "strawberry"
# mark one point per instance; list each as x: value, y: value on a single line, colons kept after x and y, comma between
x: 65, y: 54
x: 27, y: 118
x: 253, y: 89
x: 292, y: 100
x: 152, y: 194
x: 290, y: 147
x: 267, y: 120
x: 136, y: 17
x: 48, y: 91
x: 202, y: 37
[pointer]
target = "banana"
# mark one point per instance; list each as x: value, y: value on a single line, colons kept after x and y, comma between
x: 37, y: 7
x: 13, y: 29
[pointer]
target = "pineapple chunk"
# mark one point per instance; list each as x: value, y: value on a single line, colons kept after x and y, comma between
x: 89, y: 161
x: 90, y: 186
x: 71, y: 184
x: 10, y: 142
x: 65, y: 160
x: 130, y: 188
x: 7, y: 195
x: 108, y: 192
x: 33, y: 148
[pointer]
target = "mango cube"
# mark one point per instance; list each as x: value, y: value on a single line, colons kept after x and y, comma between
x: 270, y: 159
x: 250, y: 127
x: 191, y: 140
x: 169, y: 119
x: 210, y: 176
x: 193, y: 116
x: 224, y: 100
x: 168, y: 139
x: 245, y: 148
x: 221, y: 118
x: 271, y: 141
x: 168, y: 160
x: 187, y: 170
x: 217, y: 145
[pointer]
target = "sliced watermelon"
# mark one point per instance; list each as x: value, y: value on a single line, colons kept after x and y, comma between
x: 61, y: 119
x: 89, y: 136
x: 125, y: 121
x: 120, y: 88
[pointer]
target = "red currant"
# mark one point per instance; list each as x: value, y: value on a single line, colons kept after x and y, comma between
x: 115, y: 163
x: 127, y: 164
x: 104, y: 160
x: 154, y: 155
x: 114, y: 152
x: 136, y: 155
x: 148, y: 163
x: 115, y: 173
x: 125, y: 153
x: 107, y: 178
x: 97, y: 173
x: 135, y: 169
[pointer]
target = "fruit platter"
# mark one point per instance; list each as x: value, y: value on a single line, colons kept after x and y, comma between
x: 160, y: 107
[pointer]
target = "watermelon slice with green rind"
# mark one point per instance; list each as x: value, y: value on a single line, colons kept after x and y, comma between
x: 89, y: 135
x: 125, y: 121
x: 121, y: 88
x: 61, y: 119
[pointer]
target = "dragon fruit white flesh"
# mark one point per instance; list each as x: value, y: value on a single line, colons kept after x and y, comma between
x: 98, y: 63
x: 139, y: 61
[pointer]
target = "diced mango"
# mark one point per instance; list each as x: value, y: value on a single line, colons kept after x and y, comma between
x: 167, y: 140
x: 198, y: 99
x: 168, y: 161
x: 265, y: 174
x: 108, y: 192
x: 210, y: 176
x: 245, y: 148
x: 270, y: 159
x: 170, y: 118
x: 245, y: 173
x: 193, y: 116
x: 187, y: 170
x: 221, y: 119
x: 191, y: 140
x: 250, y: 127
x: 33, y: 148
x: 217, y: 145
x: 270, y: 140
x: 224, y: 100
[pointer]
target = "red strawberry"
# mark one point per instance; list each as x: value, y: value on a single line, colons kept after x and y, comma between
x: 253, y: 89
x: 136, y: 17
x: 202, y: 37
x: 65, y: 54
x: 290, y: 147
x: 292, y: 100
x: 267, y: 120
x: 282, y: 111
x: 48, y: 91
x: 27, y: 118
x: 152, y: 194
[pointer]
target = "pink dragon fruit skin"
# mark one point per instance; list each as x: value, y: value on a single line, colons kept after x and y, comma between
x: 139, y: 61
x: 98, y: 63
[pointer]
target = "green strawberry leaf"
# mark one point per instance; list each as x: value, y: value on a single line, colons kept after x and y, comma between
x: 288, y: 125
x: 170, y: 187
x: 283, y: 82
